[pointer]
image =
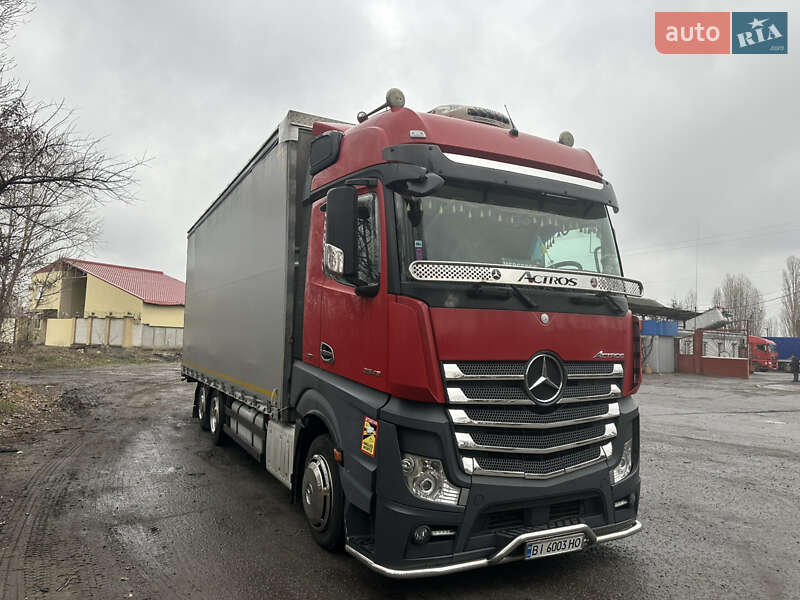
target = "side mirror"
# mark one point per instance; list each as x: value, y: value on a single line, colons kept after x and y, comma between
x: 340, y: 234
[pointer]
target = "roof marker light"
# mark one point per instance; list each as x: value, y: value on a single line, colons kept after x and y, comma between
x: 566, y: 138
x: 394, y: 99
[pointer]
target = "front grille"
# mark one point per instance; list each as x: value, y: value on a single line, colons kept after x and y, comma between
x: 517, y: 439
x: 490, y: 389
x: 537, y: 465
x: 513, y: 390
x: 499, y: 430
x: 586, y: 389
x: 589, y: 368
x: 516, y: 368
x: 499, y: 368
x: 535, y: 415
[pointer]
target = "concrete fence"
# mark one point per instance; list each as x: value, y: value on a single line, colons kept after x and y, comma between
x: 111, y: 331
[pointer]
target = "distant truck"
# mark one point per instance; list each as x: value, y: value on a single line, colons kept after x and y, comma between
x: 763, y: 354
x: 785, y: 346
x: 419, y: 324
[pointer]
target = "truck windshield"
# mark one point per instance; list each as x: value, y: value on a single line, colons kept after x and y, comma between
x: 463, y: 224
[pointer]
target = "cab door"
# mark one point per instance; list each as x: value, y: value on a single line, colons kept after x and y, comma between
x: 353, y: 328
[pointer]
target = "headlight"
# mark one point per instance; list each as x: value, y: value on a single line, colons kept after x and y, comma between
x: 426, y: 480
x: 623, y: 468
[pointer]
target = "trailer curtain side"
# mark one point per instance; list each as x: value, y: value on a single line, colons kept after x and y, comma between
x: 245, y: 272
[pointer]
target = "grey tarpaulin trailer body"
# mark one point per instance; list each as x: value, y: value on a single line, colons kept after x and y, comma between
x: 245, y: 275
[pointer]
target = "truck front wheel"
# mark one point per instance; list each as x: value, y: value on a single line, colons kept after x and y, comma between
x: 322, y: 496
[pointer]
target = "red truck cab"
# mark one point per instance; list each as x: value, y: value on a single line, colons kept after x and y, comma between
x: 467, y: 342
x: 763, y: 354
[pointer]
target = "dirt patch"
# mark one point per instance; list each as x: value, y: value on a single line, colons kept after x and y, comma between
x: 77, y: 399
x: 26, y: 409
x: 15, y: 358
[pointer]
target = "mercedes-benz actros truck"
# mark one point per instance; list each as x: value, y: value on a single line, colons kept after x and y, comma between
x: 419, y: 324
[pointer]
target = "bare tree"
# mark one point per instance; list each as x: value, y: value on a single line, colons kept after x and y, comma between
x: 51, y: 178
x: 742, y: 299
x: 790, y: 313
x: 772, y: 327
x: 688, y: 302
x: 44, y: 225
x: 717, y: 299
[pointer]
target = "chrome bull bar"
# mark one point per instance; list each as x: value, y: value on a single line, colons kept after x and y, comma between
x: 501, y: 556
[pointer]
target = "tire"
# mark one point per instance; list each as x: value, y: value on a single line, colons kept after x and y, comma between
x: 216, y: 415
x: 322, y: 496
x: 203, y: 396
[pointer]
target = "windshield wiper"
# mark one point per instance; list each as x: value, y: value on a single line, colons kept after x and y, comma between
x: 502, y: 291
x: 599, y: 298
x: 522, y: 297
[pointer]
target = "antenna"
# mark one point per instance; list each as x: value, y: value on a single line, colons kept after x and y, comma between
x: 514, y: 132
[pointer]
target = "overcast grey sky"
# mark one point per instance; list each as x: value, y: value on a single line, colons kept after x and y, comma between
x: 702, y: 145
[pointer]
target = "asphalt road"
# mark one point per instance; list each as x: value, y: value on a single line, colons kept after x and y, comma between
x: 130, y: 497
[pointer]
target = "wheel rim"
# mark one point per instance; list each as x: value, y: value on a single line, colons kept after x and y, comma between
x: 317, y: 492
x: 201, y: 404
x: 214, y: 415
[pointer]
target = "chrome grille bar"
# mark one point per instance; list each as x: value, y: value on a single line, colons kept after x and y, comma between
x: 453, y: 372
x: 460, y: 417
x: 471, y: 467
x: 456, y: 395
x: 514, y: 370
x: 616, y: 372
x: 466, y: 442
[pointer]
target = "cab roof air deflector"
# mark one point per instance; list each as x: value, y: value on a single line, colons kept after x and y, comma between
x: 434, y: 160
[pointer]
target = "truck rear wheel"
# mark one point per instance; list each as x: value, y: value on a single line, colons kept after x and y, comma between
x: 322, y: 496
x: 216, y: 411
x: 202, y: 406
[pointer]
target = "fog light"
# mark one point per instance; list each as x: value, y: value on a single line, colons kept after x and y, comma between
x: 422, y: 534
x: 426, y: 479
x: 623, y: 468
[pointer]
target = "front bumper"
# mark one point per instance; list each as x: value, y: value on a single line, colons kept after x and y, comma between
x: 495, y: 516
x: 503, y: 555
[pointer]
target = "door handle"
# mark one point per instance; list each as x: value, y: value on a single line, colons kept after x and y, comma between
x: 326, y: 353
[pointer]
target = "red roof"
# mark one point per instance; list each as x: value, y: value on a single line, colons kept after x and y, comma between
x: 152, y: 287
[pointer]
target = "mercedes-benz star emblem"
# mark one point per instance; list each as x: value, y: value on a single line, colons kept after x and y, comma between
x: 544, y: 379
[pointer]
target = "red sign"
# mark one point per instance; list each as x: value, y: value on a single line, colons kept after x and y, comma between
x: 693, y: 32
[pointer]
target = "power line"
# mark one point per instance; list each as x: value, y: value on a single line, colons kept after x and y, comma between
x: 757, y: 303
x: 709, y: 241
x: 726, y: 234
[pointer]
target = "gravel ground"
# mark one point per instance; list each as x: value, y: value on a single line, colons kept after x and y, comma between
x: 129, y: 499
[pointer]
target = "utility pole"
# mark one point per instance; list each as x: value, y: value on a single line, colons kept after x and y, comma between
x: 696, y: 269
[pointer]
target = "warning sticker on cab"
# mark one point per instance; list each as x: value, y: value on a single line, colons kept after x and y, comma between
x: 369, y: 436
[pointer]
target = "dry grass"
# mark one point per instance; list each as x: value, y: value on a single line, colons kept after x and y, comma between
x: 22, y: 406
x: 15, y: 358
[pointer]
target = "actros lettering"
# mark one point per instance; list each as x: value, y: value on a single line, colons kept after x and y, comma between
x: 548, y: 279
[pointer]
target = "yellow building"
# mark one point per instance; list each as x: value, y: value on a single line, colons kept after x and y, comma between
x: 79, y: 288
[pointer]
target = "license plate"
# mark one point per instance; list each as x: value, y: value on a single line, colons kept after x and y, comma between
x: 552, y: 546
